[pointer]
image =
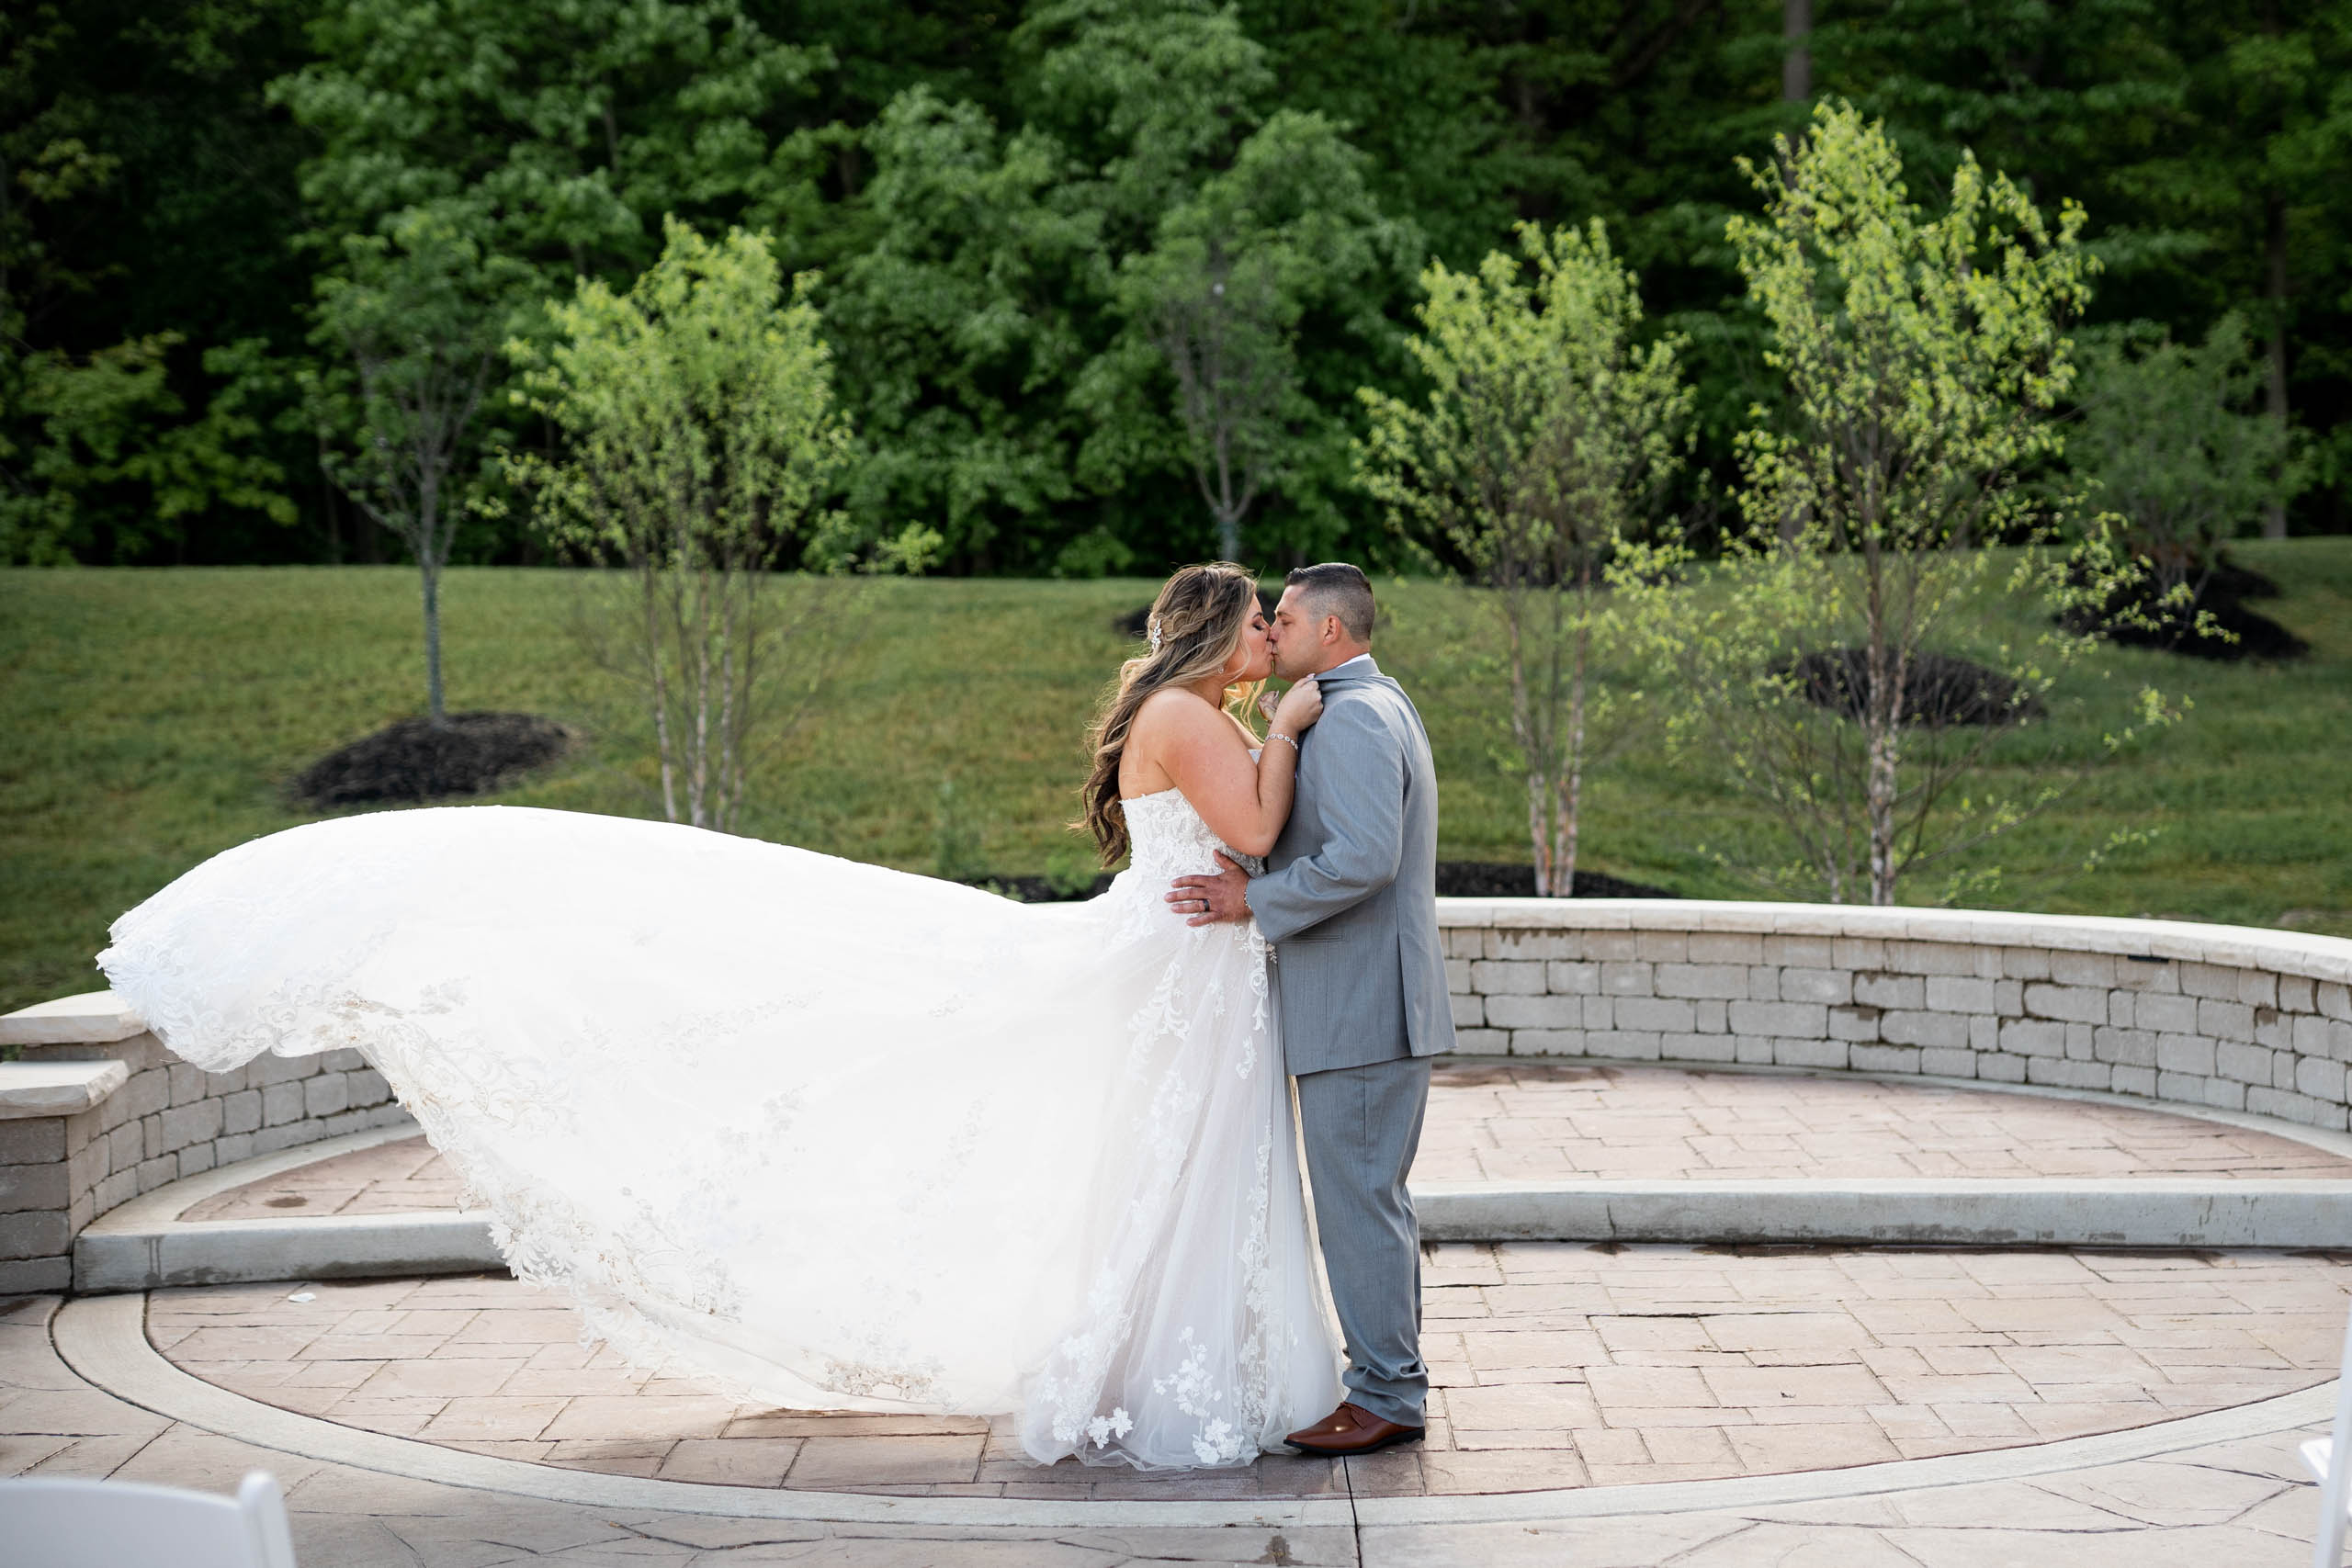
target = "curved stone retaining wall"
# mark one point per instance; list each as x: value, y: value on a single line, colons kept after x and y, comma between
x: 94, y: 1111
x: 2216, y: 1016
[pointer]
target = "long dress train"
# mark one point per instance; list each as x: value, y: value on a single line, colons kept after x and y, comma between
x: 831, y: 1135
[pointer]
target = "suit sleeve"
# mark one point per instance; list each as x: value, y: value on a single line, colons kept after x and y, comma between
x: 1359, y: 786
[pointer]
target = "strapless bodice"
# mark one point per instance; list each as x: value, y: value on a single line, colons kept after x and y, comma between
x: 1168, y: 838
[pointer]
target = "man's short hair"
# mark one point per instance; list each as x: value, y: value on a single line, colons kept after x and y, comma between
x: 1335, y: 588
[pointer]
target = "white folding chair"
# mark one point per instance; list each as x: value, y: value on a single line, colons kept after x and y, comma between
x: 59, y: 1523
x: 2330, y: 1459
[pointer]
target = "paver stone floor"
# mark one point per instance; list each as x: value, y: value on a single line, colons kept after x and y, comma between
x: 2240, y: 1501
x: 1556, y: 1365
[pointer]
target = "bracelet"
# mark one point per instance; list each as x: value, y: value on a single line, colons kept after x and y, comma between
x: 1278, y: 735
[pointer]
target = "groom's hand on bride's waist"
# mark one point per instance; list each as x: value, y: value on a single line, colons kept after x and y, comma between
x: 1210, y: 900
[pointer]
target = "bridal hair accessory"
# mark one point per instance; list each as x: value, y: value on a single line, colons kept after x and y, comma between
x: 1151, y: 631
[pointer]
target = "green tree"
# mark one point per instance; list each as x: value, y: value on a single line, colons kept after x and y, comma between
x: 1220, y: 296
x: 421, y: 311
x: 962, y: 324
x: 481, y: 155
x: 570, y: 130
x: 2271, y: 86
x: 98, y: 458
x: 700, y: 443
x: 2167, y: 439
x: 1924, y: 358
x: 1549, y: 436
x: 1038, y: 339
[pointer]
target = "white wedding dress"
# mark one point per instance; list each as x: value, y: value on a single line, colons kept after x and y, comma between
x: 828, y: 1136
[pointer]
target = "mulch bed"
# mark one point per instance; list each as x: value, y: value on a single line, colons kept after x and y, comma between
x: 410, y: 760
x: 1938, y: 690
x: 2256, y: 635
x: 1498, y: 879
x: 1456, y: 879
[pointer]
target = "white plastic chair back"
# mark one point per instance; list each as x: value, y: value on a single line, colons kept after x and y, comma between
x: 59, y: 1523
x: 2330, y: 1459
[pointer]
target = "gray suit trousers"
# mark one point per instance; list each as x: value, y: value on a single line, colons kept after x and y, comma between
x: 1363, y: 1126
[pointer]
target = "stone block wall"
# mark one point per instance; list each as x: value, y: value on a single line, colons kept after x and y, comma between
x: 2197, y: 1015
x: 166, y: 1120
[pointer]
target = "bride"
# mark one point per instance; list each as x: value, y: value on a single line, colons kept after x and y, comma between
x: 823, y: 1134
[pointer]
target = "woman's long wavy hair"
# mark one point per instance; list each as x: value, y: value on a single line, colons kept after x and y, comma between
x: 1199, y: 616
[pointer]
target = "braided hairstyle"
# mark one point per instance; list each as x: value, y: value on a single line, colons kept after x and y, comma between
x: 1195, y: 626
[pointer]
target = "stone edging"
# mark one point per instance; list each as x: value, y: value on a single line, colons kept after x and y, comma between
x: 2217, y: 1017
x: 102, y: 1114
x: 167, y: 1203
x: 2300, y: 954
x: 104, y: 1340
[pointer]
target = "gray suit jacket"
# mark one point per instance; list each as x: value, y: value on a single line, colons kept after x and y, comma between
x: 1349, y: 894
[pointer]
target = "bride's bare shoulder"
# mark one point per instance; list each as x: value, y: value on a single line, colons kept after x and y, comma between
x: 1172, y: 710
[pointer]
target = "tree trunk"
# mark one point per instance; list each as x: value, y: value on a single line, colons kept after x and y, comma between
x: 1522, y: 728
x: 1796, y: 62
x: 656, y: 671
x: 436, y: 711
x: 1564, y: 835
x: 2274, y: 389
x: 1884, y: 720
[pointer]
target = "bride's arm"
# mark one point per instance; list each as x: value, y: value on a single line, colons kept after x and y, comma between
x: 1244, y: 803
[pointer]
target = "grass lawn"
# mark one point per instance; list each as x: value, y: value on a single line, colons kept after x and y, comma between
x: 151, y: 719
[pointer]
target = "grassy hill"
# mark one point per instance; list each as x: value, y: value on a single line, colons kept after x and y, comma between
x: 149, y: 719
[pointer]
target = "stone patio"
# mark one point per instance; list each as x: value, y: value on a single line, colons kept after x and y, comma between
x: 1656, y: 1380
x: 1520, y: 1121
x: 2239, y: 1501
x: 1556, y: 1365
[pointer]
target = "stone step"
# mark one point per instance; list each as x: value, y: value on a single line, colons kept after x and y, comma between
x: 2140, y: 1212
x: 152, y: 1248
x: 222, y: 1252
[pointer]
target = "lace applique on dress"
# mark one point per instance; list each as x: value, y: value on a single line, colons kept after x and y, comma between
x: 1202, y: 1332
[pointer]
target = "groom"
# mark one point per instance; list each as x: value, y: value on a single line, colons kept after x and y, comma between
x: 1349, y: 896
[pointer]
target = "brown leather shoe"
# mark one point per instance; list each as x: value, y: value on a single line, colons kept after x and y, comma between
x: 1350, y: 1430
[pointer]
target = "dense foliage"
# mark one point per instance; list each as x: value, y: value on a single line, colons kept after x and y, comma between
x: 1100, y: 276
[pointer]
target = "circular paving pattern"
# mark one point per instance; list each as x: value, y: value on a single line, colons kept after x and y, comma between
x: 1556, y: 1366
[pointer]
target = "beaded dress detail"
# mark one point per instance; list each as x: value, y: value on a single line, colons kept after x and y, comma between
x: 820, y: 1134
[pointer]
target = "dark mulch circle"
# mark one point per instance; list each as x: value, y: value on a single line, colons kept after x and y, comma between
x: 410, y: 760
x: 2250, y: 634
x: 1456, y: 879
x: 1037, y: 890
x: 1939, y: 690
x: 1498, y: 879
x: 1134, y: 622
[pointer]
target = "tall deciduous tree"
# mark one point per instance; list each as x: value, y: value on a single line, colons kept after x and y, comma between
x: 481, y: 155
x: 1924, y: 358
x: 1546, y: 440
x: 422, y: 310
x: 700, y: 443
x: 1220, y: 294
x: 1037, y: 323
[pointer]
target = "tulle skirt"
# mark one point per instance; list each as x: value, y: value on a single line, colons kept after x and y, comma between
x: 823, y: 1134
